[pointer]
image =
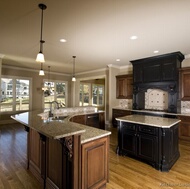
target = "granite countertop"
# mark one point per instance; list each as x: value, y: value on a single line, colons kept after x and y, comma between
x: 149, y: 120
x: 58, y: 128
x: 153, y: 112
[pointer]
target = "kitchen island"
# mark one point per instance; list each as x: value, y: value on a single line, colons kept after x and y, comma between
x: 151, y: 139
x: 64, y: 154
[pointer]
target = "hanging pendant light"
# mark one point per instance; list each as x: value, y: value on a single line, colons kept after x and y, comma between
x: 41, y: 72
x: 73, y: 78
x: 40, y: 55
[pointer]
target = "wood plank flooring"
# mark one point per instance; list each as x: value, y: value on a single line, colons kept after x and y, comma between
x: 125, y: 172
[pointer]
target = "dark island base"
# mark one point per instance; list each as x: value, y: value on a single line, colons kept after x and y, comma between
x: 156, y: 146
x: 160, y: 167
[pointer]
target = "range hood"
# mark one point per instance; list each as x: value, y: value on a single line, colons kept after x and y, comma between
x: 158, y: 72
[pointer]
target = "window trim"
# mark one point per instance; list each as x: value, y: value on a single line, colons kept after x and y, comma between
x: 98, y: 105
x: 56, y: 81
x: 14, y: 78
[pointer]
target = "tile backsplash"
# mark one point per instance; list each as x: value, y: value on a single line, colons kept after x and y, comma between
x: 126, y: 103
x: 185, y: 106
x: 156, y: 99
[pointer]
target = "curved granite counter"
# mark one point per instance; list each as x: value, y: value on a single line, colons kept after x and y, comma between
x: 64, y: 154
x: 58, y: 128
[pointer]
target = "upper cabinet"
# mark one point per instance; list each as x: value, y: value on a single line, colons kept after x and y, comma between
x: 185, y: 83
x: 158, y: 68
x: 124, y: 88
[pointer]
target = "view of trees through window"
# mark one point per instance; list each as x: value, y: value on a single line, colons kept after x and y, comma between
x: 91, y: 94
x: 14, y: 94
x: 84, y: 94
x: 54, y: 91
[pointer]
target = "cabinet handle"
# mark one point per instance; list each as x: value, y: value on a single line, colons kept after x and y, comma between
x: 95, y: 116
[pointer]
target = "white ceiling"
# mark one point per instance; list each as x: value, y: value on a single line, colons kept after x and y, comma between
x: 97, y: 32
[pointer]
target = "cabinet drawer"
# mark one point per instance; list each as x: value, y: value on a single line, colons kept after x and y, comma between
x: 129, y: 126
x: 148, y: 130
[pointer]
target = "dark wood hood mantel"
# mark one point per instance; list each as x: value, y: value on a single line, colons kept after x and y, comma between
x: 158, y: 72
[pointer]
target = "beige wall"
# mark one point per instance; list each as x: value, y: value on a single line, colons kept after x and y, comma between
x: 37, y: 83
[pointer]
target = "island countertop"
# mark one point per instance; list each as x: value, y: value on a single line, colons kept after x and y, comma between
x: 57, y: 129
x: 149, y: 120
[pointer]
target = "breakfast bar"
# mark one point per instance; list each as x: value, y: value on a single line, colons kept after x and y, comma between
x: 61, y: 153
x: 151, y: 139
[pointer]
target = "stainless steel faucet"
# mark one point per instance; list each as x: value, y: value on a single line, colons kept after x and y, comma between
x: 57, y: 107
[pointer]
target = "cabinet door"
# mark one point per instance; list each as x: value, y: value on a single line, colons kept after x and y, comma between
x: 137, y: 73
x: 184, y: 128
x: 152, y: 72
x: 147, y: 147
x: 95, y: 163
x: 169, y: 71
x: 79, y: 119
x: 118, y: 113
x: 128, y: 140
x: 124, y: 87
x: 184, y: 84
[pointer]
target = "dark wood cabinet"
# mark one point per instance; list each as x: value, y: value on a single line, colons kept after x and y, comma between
x: 124, y: 88
x: 140, y: 141
x: 151, y: 72
x: 138, y: 73
x: 96, y: 120
x: 184, y: 127
x: 170, y: 70
x: 185, y: 83
x: 158, y: 72
x: 158, y: 68
x: 118, y: 113
x: 154, y: 145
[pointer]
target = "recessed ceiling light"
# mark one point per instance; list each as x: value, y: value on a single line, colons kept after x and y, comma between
x: 117, y: 59
x: 133, y: 37
x: 63, y: 40
x: 156, y: 51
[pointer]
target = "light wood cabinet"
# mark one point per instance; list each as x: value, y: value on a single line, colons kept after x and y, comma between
x: 184, y: 127
x: 185, y: 83
x: 124, y: 88
x: 95, y: 163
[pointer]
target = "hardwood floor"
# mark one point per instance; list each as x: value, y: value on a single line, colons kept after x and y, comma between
x: 13, y: 169
x: 125, y: 172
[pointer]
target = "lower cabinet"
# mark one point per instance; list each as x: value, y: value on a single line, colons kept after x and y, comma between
x: 96, y: 120
x: 118, y: 113
x: 184, y: 127
x: 94, y: 164
x: 52, y: 164
x: 156, y: 146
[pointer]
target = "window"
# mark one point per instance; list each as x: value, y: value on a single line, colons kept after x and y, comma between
x: 84, y: 94
x: 15, y: 94
x: 55, y: 91
x: 95, y: 98
x: 97, y: 95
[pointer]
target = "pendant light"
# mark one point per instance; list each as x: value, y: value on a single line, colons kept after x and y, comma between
x: 41, y: 72
x: 73, y: 78
x: 40, y: 55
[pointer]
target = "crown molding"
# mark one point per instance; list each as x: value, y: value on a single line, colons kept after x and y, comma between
x: 32, y: 70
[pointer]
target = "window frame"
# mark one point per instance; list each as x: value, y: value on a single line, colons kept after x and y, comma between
x: 14, y: 78
x: 90, y: 94
x: 98, y: 85
x: 56, y: 81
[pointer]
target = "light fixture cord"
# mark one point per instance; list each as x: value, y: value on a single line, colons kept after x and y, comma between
x: 74, y: 66
x: 41, y: 41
